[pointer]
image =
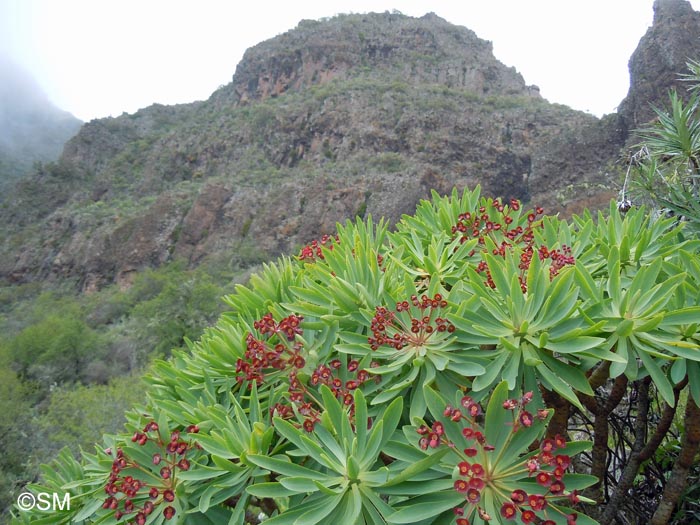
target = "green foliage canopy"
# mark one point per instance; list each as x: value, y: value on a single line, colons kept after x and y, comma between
x: 405, y: 377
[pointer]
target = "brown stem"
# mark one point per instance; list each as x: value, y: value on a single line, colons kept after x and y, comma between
x: 690, y: 443
x: 559, y: 424
x: 268, y: 506
x: 600, y: 375
x: 601, y: 432
x: 589, y: 402
x: 664, y: 424
x: 632, y: 467
x: 597, y: 379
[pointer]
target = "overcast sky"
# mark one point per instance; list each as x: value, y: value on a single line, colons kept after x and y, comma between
x: 97, y: 58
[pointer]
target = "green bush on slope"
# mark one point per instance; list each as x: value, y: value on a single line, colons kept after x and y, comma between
x: 432, y: 375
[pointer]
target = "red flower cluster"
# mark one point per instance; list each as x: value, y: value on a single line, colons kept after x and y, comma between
x: 390, y: 329
x: 494, y: 221
x: 546, y: 466
x: 312, y: 251
x: 551, y: 480
x: 559, y: 258
x: 432, y: 437
x: 262, y: 355
x: 523, y: 416
x: 124, y: 490
x: 495, y: 217
x: 324, y: 375
x: 289, y: 326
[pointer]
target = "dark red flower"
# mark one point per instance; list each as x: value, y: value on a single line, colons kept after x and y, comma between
x: 473, y: 496
x: 518, y: 496
x: 562, y: 460
x: 537, y: 501
x: 544, y: 479
x: 556, y: 488
x: 477, y: 470
x: 526, y: 418
x: 477, y: 483
x: 509, y: 510
x: 547, y: 445
x: 461, y: 486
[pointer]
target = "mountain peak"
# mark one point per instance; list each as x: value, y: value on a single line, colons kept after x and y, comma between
x: 670, y: 42
x: 375, y: 45
x: 670, y: 9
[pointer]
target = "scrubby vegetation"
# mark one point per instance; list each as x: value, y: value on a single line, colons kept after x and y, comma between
x: 667, y: 162
x: 451, y: 371
x: 70, y: 365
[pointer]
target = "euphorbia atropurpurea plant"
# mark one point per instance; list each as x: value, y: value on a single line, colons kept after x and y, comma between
x: 448, y: 372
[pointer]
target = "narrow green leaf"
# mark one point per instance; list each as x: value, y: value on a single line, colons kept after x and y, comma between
x: 493, y: 370
x: 682, y: 316
x: 579, y: 481
x: 574, y: 345
x: 391, y: 418
x: 333, y: 409
x: 270, y: 490
x: 426, y: 507
x: 557, y: 384
x: 330, y: 444
x: 661, y: 382
x: 360, y: 419
x: 298, y: 484
x: 495, y: 428
x: 417, y: 467
x: 290, y: 516
x: 285, y: 467
x: 570, y: 374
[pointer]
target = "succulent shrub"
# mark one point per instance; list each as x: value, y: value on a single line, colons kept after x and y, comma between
x: 667, y: 163
x: 447, y: 372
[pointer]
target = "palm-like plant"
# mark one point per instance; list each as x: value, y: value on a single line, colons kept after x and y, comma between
x: 669, y: 174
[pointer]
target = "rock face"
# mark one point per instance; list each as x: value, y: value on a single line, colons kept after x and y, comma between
x: 662, y: 53
x: 355, y: 115
x: 427, y: 50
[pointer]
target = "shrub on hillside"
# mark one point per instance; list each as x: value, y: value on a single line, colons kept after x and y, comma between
x: 444, y: 373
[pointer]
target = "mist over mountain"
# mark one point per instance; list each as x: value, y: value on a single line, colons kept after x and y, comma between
x: 32, y: 129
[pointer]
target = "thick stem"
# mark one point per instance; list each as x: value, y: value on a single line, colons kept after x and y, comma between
x: 690, y: 443
x: 632, y: 467
x: 601, y: 432
x: 664, y: 424
x: 600, y: 375
x: 559, y: 424
x: 597, y: 379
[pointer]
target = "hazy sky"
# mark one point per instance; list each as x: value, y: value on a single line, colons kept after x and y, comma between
x: 97, y: 58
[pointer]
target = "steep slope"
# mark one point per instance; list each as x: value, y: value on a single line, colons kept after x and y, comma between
x: 672, y: 40
x: 32, y: 129
x: 348, y: 116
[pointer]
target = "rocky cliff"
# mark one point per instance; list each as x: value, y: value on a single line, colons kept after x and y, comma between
x: 662, y: 53
x: 422, y: 51
x: 334, y: 119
